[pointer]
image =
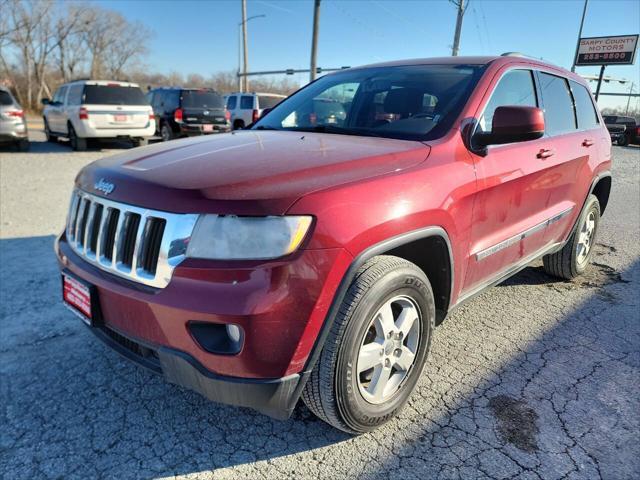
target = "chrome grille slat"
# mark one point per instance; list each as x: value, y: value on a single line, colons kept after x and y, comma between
x: 90, y: 224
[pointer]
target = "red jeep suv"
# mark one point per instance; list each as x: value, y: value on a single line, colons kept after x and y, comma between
x: 313, y: 255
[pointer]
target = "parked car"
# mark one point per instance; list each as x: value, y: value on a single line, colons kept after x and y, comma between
x: 626, y: 130
x: 98, y: 110
x: 313, y: 260
x: 182, y: 112
x: 247, y: 108
x: 13, y: 125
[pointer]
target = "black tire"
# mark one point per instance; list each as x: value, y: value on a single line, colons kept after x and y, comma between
x: 140, y: 142
x: 238, y: 125
x: 567, y: 263
x: 166, y: 132
x: 332, y: 392
x: 23, y: 145
x: 77, y: 144
x: 50, y: 137
x: 623, y: 140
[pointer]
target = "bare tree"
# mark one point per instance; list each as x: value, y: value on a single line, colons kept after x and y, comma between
x: 112, y: 41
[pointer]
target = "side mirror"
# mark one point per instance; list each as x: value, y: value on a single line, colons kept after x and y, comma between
x: 512, y: 124
x: 264, y: 112
x: 45, y: 101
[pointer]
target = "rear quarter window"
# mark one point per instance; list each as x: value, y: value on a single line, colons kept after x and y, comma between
x: 559, y: 115
x: 585, y: 110
x: 231, y: 102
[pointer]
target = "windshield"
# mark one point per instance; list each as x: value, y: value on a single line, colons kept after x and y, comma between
x: 113, y: 95
x: 416, y: 102
x: 201, y: 99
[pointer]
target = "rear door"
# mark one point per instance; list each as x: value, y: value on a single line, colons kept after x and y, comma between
x: 512, y: 201
x: 573, y: 127
x: 115, y: 106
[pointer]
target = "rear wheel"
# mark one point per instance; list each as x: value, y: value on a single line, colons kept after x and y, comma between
x: 623, y: 140
x: 78, y: 144
x: 47, y: 131
x: 574, y: 257
x: 140, y: 142
x: 376, y: 348
x: 238, y: 124
x: 166, y: 133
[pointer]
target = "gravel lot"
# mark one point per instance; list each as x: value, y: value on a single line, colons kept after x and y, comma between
x: 536, y: 378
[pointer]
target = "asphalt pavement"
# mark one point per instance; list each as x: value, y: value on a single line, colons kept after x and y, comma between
x: 534, y: 379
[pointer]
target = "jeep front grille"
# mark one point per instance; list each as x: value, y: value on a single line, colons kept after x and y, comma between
x: 136, y: 243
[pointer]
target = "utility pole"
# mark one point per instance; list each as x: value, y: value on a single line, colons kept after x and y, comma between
x: 314, y: 39
x: 245, y: 81
x: 456, y: 37
x: 575, y: 56
x: 626, y: 112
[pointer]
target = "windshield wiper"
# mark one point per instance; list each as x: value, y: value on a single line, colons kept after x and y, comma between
x: 338, y: 130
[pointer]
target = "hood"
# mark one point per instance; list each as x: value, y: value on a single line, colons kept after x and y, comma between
x: 247, y: 172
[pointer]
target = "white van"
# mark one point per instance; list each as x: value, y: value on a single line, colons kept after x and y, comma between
x: 98, y: 109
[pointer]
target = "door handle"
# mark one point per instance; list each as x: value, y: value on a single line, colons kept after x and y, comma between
x: 587, y: 142
x: 546, y: 153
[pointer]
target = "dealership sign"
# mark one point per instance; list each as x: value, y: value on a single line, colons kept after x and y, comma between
x: 618, y: 50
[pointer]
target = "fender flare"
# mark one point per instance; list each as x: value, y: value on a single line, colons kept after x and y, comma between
x: 370, y: 252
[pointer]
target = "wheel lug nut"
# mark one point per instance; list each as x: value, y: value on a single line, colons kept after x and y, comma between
x: 399, y: 336
x: 382, y: 352
x: 397, y: 352
x: 387, y: 362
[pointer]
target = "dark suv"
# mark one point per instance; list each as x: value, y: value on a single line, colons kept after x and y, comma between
x: 182, y: 112
x: 625, y: 129
x: 313, y: 255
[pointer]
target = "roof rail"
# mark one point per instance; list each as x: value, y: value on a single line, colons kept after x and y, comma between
x: 518, y: 54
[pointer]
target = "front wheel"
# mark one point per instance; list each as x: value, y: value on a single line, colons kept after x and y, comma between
x: 573, y: 258
x: 376, y: 349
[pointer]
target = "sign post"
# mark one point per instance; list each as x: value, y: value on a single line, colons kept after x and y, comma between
x: 603, y: 51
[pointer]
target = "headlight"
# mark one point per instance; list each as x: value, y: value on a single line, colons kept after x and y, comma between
x: 227, y: 237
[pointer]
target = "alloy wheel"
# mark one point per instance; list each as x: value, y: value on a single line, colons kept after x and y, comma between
x: 388, y: 349
x: 585, y: 238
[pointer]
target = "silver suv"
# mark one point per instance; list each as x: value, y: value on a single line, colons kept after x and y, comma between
x: 98, y: 109
x: 13, y: 127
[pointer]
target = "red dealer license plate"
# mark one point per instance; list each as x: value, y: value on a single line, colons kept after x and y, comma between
x: 77, y: 296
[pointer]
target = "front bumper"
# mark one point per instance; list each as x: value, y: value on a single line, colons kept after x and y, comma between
x: 280, y: 306
x: 273, y: 397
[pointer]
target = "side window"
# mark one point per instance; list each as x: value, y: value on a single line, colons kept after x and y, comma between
x: 63, y: 94
x: 58, y: 97
x: 558, y: 112
x: 171, y: 99
x: 516, y: 87
x: 75, y: 94
x: 231, y: 102
x: 246, y: 102
x: 157, y: 100
x: 585, y: 110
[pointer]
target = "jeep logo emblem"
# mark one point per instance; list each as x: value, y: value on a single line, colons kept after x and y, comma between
x: 103, y: 186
